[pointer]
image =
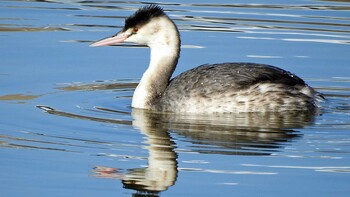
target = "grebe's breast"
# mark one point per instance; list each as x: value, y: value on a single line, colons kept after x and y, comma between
x: 236, y: 87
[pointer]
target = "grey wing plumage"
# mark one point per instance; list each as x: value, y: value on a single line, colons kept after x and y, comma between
x: 210, y: 81
x: 237, y: 75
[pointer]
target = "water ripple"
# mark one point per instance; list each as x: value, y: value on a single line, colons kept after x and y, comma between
x: 334, y: 169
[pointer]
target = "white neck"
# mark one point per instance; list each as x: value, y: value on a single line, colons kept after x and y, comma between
x: 165, y: 50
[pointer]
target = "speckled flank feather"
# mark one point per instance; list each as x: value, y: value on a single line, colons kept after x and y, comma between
x: 236, y: 87
x: 143, y: 16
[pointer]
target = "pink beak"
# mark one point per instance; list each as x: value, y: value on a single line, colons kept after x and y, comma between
x: 111, y: 40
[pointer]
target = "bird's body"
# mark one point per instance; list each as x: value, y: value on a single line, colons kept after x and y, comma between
x: 221, y: 88
x: 235, y: 87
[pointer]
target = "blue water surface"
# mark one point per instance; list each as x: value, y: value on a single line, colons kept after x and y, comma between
x: 67, y: 128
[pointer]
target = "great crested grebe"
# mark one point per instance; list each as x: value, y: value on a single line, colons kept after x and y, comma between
x: 221, y: 88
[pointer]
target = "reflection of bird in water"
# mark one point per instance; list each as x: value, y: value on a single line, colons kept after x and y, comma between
x: 161, y: 171
x: 229, y: 134
x: 226, y: 87
x: 246, y: 134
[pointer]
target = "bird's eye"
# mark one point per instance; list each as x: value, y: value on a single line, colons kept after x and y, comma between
x: 135, y: 30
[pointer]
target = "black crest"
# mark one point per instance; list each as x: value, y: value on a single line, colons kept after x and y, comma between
x: 143, y: 15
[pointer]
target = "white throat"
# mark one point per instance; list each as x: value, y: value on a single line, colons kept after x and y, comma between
x: 164, y: 55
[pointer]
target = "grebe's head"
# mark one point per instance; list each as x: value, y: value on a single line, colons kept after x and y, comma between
x: 147, y: 26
